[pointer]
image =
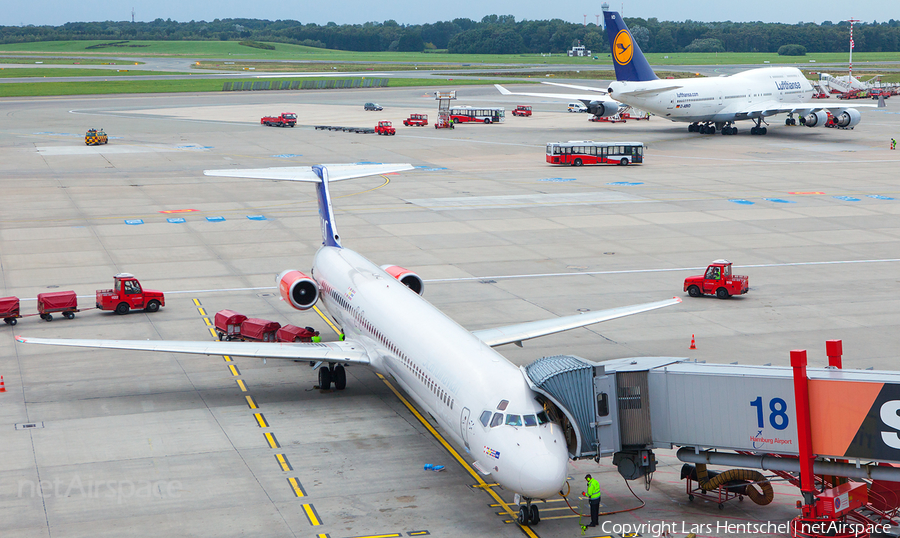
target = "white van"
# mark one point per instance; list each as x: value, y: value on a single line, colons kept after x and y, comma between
x: 577, y: 107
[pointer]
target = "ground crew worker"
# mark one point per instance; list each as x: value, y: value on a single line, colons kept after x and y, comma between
x: 893, y: 144
x: 593, y: 495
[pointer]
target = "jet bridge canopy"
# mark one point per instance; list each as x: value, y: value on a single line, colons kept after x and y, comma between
x: 582, y: 398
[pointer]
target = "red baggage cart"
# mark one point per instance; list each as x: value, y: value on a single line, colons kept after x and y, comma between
x: 228, y: 324
x: 292, y: 333
x: 9, y: 310
x: 259, y: 330
x: 57, y: 301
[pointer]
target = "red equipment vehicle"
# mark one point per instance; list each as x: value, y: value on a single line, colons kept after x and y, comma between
x: 259, y: 330
x: 616, y: 118
x: 292, y: 333
x: 127, y: 294
x: 717, y: 281
x: 228, y: 324
x: 416, y: 120
x: 57, y: 301
x: 875, y: 94
x: 522, y: 110
x: 579, y: 152
x: 385, y: 127
x: 9, y: 310
x: 286, y: 119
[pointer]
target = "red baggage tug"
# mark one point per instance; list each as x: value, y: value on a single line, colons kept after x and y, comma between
x: 57, y: 301
x: 127, y: 294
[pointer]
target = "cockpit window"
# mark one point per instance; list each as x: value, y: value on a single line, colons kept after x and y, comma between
x: 513, y: 420
x: 497, y: 420
x: 530, y: 420
x: 502, y: 405
x: 485, y: 417
x: 543, y: 418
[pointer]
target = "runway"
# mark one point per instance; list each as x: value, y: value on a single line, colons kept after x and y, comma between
x: 125, y: 443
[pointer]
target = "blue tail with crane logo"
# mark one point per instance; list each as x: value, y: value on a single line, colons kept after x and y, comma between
x: 628, y: 59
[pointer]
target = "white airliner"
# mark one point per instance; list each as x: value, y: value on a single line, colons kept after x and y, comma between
x: 480, y: 399
x: 707, y: 104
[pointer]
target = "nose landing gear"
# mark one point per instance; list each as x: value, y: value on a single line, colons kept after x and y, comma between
x: 528, y: 513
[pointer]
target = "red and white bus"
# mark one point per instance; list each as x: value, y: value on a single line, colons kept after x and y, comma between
x: 467, y: 114
x: 579, y: 152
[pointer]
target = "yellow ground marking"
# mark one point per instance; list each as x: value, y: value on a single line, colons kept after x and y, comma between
x: 251, y: 403
x: 261, y: 420
x: 212, y: 331
x: 392, y: 535
x: 323, y: 535
x: 196, y: 302
x: 328, y: 321
x: 241, y: 384
x: 201, y: 310
x: 475, y: 474
x: 234, y: 370
x: 311, y: 515
x: 418, y: 533
x: 285, y: 464
x: 273, y: 443
x: 295, y: 485
x: 208, y: 323
x: 227, y: 358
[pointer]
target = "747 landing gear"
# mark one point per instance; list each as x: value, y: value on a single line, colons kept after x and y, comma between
x: 790, y: 120
x: 333, y: 373
x: 729, y: 129
x: 528, y: 513
x: 759, y: 129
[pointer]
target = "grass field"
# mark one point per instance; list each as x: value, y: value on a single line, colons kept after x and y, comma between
x: 232, y: 50
x: 43, y: 89
x: 58, y: 61
x: 43, y: 72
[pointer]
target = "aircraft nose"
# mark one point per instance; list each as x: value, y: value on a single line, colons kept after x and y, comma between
x: 542, y: 476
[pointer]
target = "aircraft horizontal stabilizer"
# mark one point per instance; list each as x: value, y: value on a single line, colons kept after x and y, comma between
x: 336, y: 172
x: 533, y: 329
x: 344, y: 352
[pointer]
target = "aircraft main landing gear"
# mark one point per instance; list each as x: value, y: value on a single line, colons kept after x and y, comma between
x: 333, y: 373
x: 729, y: 129
x: 528, y: 513
x: 759, y: 129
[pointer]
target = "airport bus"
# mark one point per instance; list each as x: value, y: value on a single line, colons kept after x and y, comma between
x: 466, y: 114
x: 579, y: 152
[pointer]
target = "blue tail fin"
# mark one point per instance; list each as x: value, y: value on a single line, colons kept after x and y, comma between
x: 628, y: 59
x: 330, y: 236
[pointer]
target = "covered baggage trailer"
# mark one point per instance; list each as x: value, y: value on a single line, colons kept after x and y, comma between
x: 9, y: 310
x: 57, y: 301
x: 228, y: 324
x: 259, y: 330
x: 292, y: 333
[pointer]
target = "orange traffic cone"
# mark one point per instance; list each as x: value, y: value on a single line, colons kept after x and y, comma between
x: 693, y: 344
x: 2, y: 385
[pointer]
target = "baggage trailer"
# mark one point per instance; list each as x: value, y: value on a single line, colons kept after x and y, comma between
x: 228, y: 324
x: 292, y: 333
x: 9, y: 310
x: 57, y: 301
x: 259, y: 330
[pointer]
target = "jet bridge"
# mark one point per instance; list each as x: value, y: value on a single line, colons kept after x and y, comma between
x: 626, y: 407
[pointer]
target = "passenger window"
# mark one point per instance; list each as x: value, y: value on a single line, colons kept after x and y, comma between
x: 485, y: 417
x: 602, y: 404
x: 497, y: 420
x: 502, y: 405
x: 543, y: 418
x: 513, y: 420
x: 530, y: 420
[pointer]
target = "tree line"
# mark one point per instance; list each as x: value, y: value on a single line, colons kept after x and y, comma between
x: 494, y: 34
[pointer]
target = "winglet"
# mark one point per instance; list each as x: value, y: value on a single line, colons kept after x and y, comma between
x: 628, y: 59
x: 20, y: 339
x: 677, y: 299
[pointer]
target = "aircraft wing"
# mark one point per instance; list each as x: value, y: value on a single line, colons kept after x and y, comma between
x: 576, y: 87
x: 336, y: 172
x: 346, y: 352
x: 533, y: 329
x: 770, y: 108
x: 586, y: 99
